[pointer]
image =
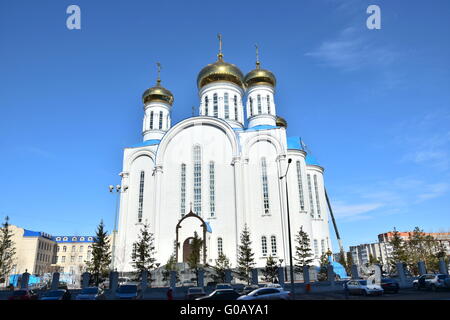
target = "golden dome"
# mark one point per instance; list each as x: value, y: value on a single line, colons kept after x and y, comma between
x: 281, y: 122
x: 158, y: 93
x: 220, y: 71
x: 259, y: 76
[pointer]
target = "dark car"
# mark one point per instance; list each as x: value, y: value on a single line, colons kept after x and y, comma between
x: 248, y: 289
x: 222, y: 294
x: 24, y: 294
x: 390, y: 285
x: 194, y: 293
x: 60, y: 294
x: 129, y: 291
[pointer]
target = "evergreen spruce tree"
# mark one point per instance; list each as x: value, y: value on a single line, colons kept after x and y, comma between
x: 194, y: 258
x: 7, y: 251
x: 270, y: 272
x: 171, y: 265
x: 349, y: 263
x: 246, y: 259
x: 143, y: 254
x: 303, y: 253
x: 100, y: 262
x: 323, y: 271
x: 399, y: 251
x: 222, y: 264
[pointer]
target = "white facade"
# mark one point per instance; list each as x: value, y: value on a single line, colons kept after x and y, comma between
x: 228, y: 173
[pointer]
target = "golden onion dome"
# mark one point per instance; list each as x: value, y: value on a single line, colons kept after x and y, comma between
x: 220, y: 71
x: 281, y: 122
x: 259, y: 76
x: 158, y: 93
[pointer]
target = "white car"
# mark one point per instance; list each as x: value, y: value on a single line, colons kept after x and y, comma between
x: 431, y: 281
x: 267, y: 294
x: 361, y: 287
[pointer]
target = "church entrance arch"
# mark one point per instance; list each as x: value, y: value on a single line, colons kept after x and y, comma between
x: 186, y: 245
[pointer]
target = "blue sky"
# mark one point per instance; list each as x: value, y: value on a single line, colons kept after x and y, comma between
x: 373, y: 106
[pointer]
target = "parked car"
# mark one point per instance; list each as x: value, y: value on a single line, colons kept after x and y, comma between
x: 390, y: 285
x: 195, y: 292
x: 129, y: 291
x: 248, y: 289
x: 91, y: 293
x: 24, y: 294
x: 267, y: 293
x: 223, y: 286
x: 222, y: 294
x: 123, y: 280
x: 361, y: 287
x: 431, y: 281
x: 60, y: 294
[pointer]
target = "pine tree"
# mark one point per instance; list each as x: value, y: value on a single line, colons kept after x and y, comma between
x: 194, y: 258
x: 143, y: 252
x: 323, y: 271
x: 7, y: 251
x: 270, y: 271
x: 349, y: 263
x: 171, y: 265
x: 399, y: 251
x: 99, y: 265
x: 246, y: 259
x: 303, y: 252
x: 222, y: 264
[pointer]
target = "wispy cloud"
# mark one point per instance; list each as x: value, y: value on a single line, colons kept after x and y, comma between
x: 352, y: 212
x: 352, y: 50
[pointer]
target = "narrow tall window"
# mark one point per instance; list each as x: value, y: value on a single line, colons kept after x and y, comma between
x: 227, y: 106
x: 235, y: 108
x: 300, y: 186
x: 183, y: 189
x: 311, y: 203
x: 265, y: 186
x: 258, y: 97
x: 212, y: 195
x: 268, y: 104
x: 264, y: 245
x: 151, y: 120
x: 273, y: 242
x: 216, y: 106
x: 197, y: 180
x: 316, y: 248
x: 141, y: 196
x: 251, y: 106
x: 219, y: 246
x: 160, y: 119
x: 317, y: 196
x: 167, y: 122
x: 322, y: 245
x: 206, y: 105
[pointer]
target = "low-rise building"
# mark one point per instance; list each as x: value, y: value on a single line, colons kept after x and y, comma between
x: 72, y: 253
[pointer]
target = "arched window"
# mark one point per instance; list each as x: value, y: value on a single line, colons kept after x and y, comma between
x: 251, y: 106
x: 264, y: 245
x: 197, y: 180
x: 316, y: 248
x: 160, y: 119
x: 212, y: 195
x: 300, y: 186
x: 265, y: 187
x: 215, y: 105
x: 258, y: 97
x: 273, y: 243
x: 141, y: 196
x: 235, y: 108
x: 183, y: 189
x: 151, y: 120
x: 227, y: 106
x: 316, y: 189
x: 206, y: 105
x: 311, y: 203
x: 219, y: 246
x: 268, y: 104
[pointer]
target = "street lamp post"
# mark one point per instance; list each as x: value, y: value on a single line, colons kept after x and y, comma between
x: 291, y: 269
x: 118, y: 190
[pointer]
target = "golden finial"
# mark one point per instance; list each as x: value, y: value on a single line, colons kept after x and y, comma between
x: 220, y: 55
x: 257, y: 56
x: 158, y: 79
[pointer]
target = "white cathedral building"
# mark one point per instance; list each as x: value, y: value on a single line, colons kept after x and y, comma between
x: 219, y: 171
